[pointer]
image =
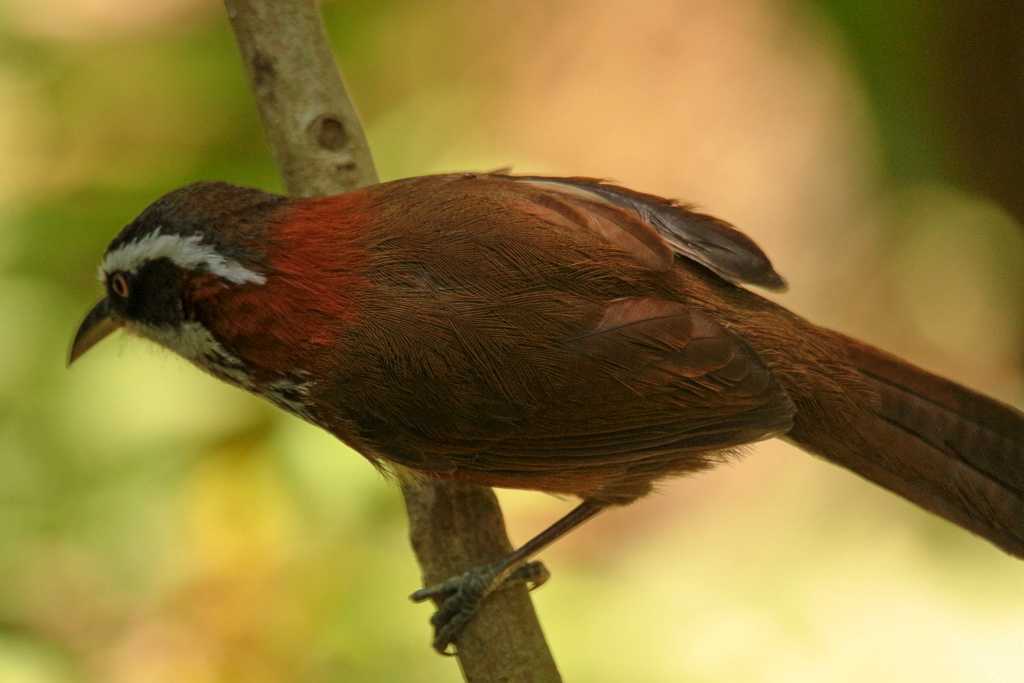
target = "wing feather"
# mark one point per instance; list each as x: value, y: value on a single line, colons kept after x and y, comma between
x: 699, y: 237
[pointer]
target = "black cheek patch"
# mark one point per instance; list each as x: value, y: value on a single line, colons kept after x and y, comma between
x: 156, y: 294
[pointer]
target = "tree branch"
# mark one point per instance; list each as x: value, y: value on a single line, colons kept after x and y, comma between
x: 318, y: 143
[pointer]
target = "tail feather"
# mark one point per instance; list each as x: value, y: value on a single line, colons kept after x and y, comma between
x: 938, y: 444
x: 984, y: 433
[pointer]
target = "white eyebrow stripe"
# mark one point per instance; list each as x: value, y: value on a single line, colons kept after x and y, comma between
x: 185, y: 252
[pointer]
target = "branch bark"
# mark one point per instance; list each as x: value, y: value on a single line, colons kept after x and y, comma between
x: 318, y: 143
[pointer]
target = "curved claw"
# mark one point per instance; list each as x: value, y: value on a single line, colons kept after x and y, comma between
x: 438, y: 590
x: 459, y: 598
x: 533, y: 574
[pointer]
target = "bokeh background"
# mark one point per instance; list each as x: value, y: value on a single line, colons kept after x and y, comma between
x: 156, y: 525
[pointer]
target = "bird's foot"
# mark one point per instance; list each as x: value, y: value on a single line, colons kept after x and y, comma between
x: 459, y: 597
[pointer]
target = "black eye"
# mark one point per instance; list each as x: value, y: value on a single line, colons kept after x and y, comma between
x: 119, y: 285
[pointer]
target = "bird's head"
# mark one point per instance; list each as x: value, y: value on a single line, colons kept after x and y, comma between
x: 166, y: 272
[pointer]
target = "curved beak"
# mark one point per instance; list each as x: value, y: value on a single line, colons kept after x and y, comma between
x: 98, y: 324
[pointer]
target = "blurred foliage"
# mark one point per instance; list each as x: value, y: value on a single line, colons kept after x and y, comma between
x: 156, y: 525
x: 890, y: 44
x: 944, y: 85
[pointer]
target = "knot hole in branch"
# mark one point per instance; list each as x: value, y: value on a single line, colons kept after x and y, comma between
x: 329, y: 132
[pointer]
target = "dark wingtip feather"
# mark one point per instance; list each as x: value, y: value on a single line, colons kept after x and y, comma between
x: 702, y: 238
x: 772, y: 280
x: 715, y: 243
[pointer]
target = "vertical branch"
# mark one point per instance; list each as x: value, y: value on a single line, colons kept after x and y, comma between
x: 454, y: 527
x: 320, y: 148
x: 311, y: 124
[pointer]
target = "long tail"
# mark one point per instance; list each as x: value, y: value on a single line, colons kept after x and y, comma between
x: 936, y: 443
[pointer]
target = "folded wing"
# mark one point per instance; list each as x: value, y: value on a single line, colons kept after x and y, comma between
x: 713, y: 243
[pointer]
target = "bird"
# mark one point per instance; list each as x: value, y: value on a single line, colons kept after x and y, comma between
x: 557, y: 334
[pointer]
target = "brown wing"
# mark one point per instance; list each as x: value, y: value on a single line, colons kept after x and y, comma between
x: 654, y: 389
x: 532, y: 338
x: 651, y: 390
x: 699, y: 237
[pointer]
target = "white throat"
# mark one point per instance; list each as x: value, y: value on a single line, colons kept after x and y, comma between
x: 193, y: 342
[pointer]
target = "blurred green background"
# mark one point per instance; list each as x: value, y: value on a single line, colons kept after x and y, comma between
x: 156, y: 525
